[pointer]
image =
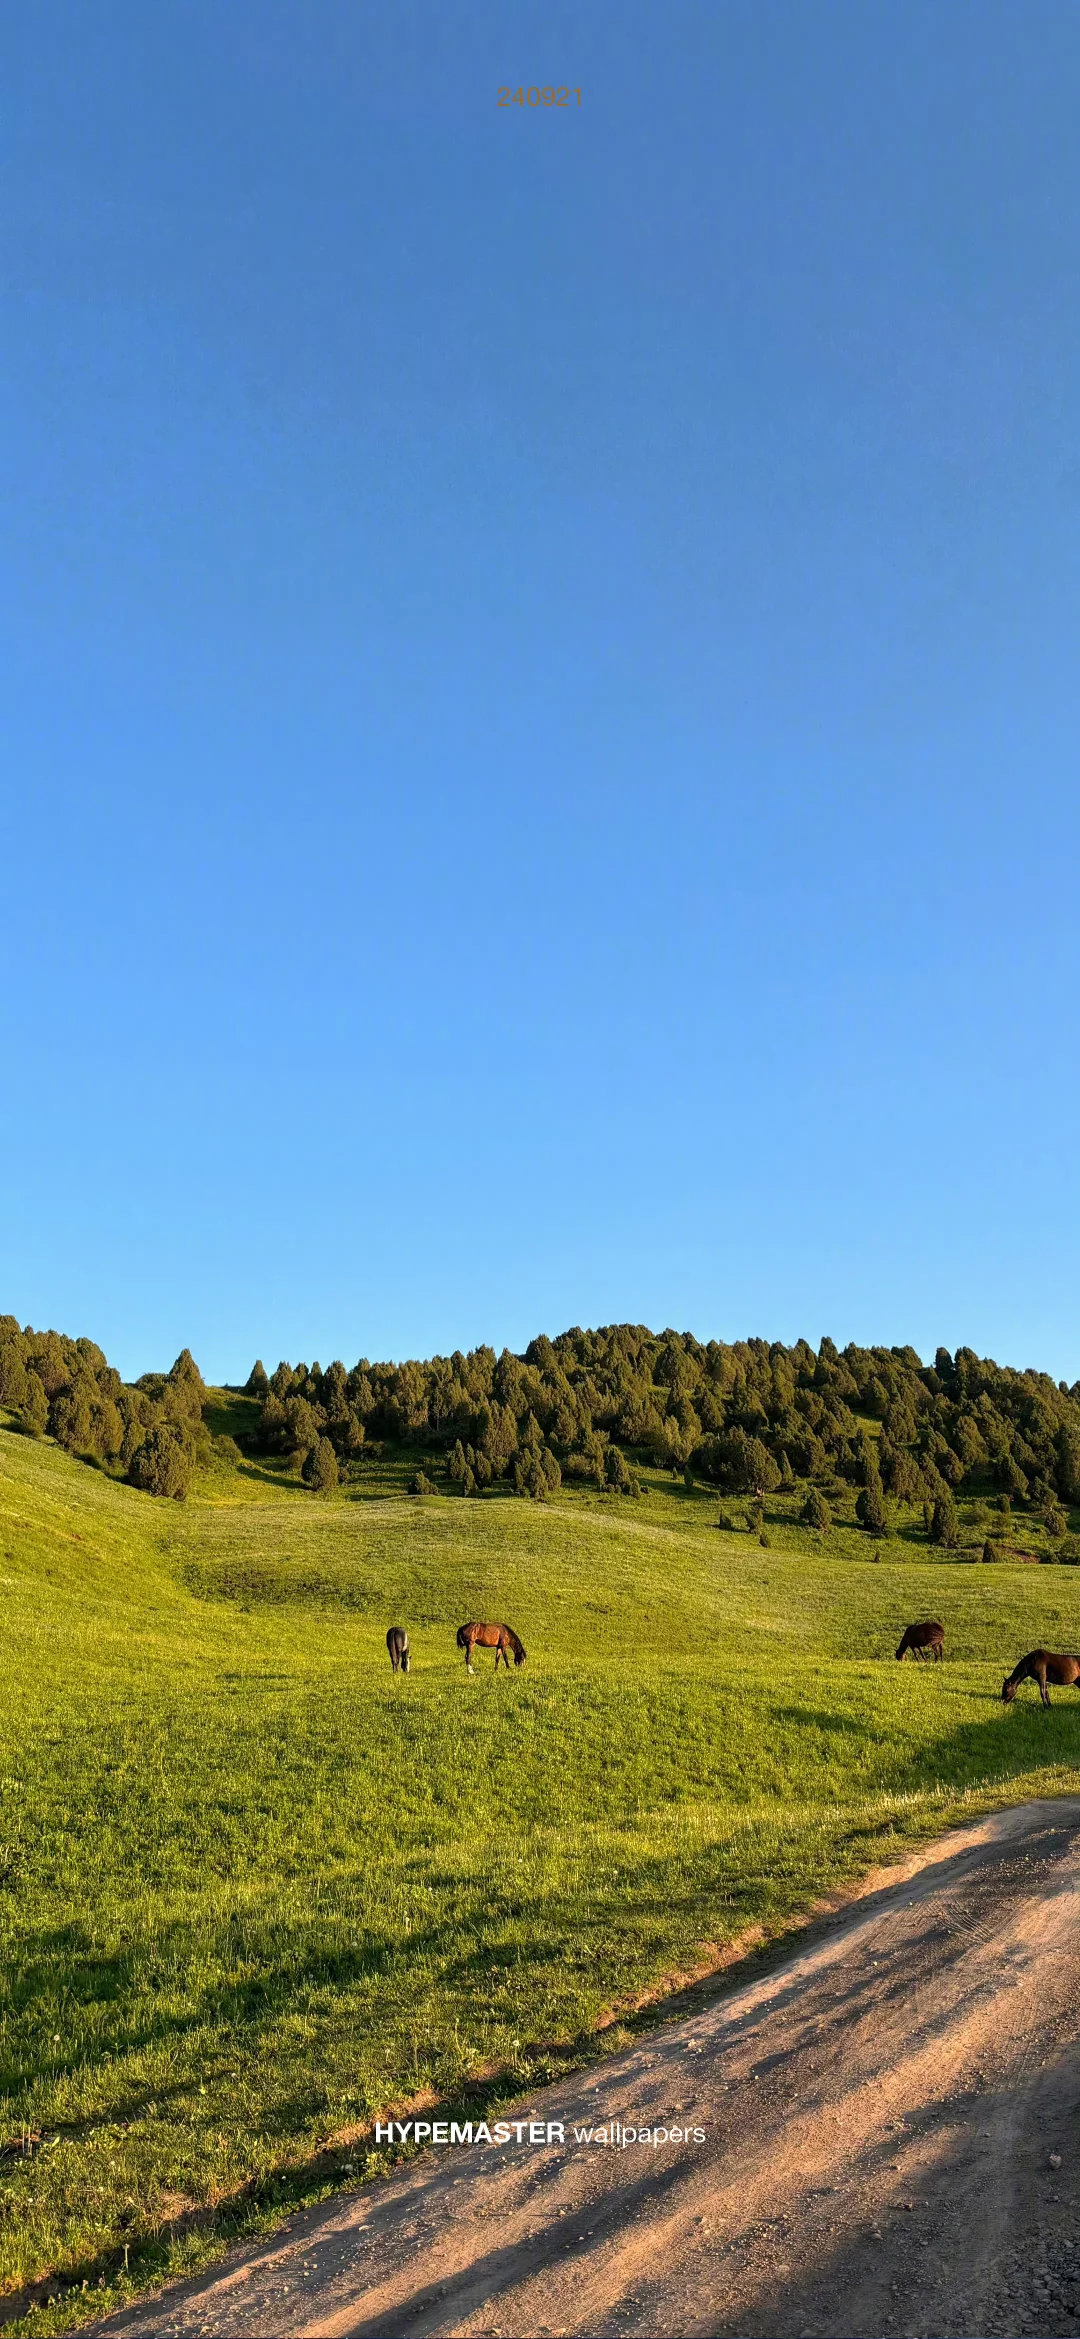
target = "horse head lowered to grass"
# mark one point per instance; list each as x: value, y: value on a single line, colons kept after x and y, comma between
x: 490, y: 1636
x: 924, y: 1640
x: 1042, y: 1665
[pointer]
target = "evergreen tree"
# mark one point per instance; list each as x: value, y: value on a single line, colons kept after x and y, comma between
x: 164, y: 1462
x: 320, y: 1470
x: 1067, y: 1473
x: 34, y: 1409
x: 1011, y: 1478
x: 257, y: 1384
x: 816, y: 1512
x: 944, y: 1523
x: 870, y: 1508
x: 618, y: 1475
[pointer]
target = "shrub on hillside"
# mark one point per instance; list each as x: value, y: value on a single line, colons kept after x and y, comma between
x: 164, y: 1462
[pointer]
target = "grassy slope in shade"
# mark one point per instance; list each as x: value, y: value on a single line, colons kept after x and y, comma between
x: 254, y: 1889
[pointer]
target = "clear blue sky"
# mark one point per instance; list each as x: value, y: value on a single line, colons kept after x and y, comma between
x: 539, y: 711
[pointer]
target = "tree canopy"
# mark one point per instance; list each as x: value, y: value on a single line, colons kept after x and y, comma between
x: 747, y: 1417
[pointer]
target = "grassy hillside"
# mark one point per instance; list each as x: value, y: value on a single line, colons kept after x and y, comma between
x: 253, y: 1889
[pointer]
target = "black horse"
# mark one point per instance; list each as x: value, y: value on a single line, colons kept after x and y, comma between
x: 397, y: 1642
x: 924, y: 1640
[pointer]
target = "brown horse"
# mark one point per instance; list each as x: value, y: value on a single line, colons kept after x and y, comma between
x: 1042, y: 1665
x: 923, y: 1640
x: 490, y: 1636
x: 397, y: 1642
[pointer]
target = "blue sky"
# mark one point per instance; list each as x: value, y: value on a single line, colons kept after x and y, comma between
x: 539, y: 702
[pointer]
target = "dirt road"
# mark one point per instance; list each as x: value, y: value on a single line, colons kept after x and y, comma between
x: 882, y: 2112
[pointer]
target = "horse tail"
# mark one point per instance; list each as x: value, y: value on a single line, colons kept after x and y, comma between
x: 461, y: 1632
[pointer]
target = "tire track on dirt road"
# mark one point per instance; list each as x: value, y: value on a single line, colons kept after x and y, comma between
x: 880, y: 2113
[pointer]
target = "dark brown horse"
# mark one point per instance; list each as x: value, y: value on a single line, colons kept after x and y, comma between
x: 490, y: 1636
x: 1042, y: 1665
x: 924, y: 1640
x: 397, y: 1642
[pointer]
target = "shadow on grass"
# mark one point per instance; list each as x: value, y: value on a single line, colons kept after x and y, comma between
x: 146, y: 2260
x: 985, y: 1754
x: 267, y: 1477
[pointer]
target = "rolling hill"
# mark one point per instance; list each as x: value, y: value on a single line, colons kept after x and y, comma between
x: 255, y: 1890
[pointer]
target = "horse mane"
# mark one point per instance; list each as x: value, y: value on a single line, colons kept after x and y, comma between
x: 514, y: 1642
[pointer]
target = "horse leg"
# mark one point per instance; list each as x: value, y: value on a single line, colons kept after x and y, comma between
x: 1043, y: 1690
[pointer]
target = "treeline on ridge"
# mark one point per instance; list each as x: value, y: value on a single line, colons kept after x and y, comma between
x: 153, y: 1432
x: 748, y: 1417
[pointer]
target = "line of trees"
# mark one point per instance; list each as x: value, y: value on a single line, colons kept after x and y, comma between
x: 748, y: 1417
x: 152, y: 1433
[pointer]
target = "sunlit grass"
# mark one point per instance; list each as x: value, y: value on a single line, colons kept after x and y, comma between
x: 255, y: 1889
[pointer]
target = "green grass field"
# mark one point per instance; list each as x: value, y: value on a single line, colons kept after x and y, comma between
x: 254, y: 1890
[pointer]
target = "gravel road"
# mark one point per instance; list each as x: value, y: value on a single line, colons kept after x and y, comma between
x: 892, y: 2146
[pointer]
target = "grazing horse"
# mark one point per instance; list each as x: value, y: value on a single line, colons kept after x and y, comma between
x: 1042, y: 1665
x: 490, y: 1636
x: 397, y: 1642
x: 923, y: 1640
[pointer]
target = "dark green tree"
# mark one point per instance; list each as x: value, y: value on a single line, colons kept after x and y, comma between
x: 34, y: 1409
x: 816, y: 1512
x: 945, y: 1523
x: 320, y: 1470
x: 617, y: 1473
x: 164, y: 1462
x: 1011, y: 1478
x: 870, y: 1508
